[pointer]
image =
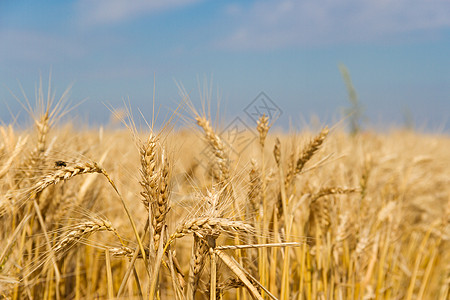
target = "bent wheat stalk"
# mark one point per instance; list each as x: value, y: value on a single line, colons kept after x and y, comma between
x: 234, y: 267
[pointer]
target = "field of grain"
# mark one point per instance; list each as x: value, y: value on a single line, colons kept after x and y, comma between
x: 178, y: 214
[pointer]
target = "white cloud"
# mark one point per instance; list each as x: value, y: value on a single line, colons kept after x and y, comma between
x: 277, y: 24
x: 113, y: 11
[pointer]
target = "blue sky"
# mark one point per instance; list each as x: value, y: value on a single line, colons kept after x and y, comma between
x: 397, y: 52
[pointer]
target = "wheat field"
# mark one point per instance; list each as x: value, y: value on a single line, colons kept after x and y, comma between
x: 117, y: 212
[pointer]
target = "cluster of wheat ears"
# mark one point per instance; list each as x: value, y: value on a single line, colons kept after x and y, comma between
x: 293, y: 216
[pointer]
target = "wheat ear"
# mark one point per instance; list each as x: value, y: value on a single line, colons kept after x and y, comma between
x: 255, y: 189
x: 65, y: 174
x: 160, y: 206
x: 17, y: 149
x: 199, y: 251
x: 218, y: 149
x: 80, y: 231
x: 205, y: 226
x: 262, y: 127
x: 148, y: 171
x: 332, y: 191
x: 310, y: 150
